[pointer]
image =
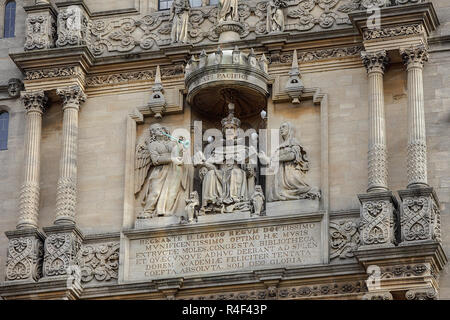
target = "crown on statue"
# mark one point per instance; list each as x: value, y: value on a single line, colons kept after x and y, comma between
x: 231, y: 120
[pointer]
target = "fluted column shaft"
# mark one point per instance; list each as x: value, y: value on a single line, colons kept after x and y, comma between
x: 34, y: 103
x: 414, y: 59
x: 375, y: 64
x: 66, y: 196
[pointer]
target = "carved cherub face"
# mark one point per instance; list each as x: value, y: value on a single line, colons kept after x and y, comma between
x: 157, y: 130
x: 258, y: 188
x: 13, y: 89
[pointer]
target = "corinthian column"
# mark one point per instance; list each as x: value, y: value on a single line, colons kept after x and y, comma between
x: 375, y: 64
x: 66, y: 196
x: 414, y: 59
x: 378, y: 206
x: 420, y: 218
x: 34, y: 103
x: 25, y: 252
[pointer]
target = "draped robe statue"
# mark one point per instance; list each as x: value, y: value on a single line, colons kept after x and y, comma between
x: 289, y: 180
x: 161, y: 174
x: 179, y: 15
x: 275, y: 16
x: 225, y: 172
x: 228, y: 11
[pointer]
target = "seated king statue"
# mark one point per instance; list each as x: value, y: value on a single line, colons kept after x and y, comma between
x: 226, y: 172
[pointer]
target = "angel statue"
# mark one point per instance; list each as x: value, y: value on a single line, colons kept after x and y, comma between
x: 228, y: 11
x: 161, y: 173
x: 293, y: 163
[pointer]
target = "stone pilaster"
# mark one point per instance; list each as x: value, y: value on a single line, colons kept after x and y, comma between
x: 414, y: 59
x: 420, y: 216
x: 375, y: 64
x: 40, y: 26
x: 379, y: 217
x: 66, y: 196
x: 34, y: 103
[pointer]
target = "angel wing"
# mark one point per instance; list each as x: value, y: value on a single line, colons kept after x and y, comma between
x: 142, y: 163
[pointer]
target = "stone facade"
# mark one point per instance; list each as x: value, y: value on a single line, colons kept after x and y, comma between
x: 368, y: 119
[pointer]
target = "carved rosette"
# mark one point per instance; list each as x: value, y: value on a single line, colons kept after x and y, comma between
x: 421, y: 294
x: 420, y: 218
x: 99, y: 262
x: 24, y: 258
x: 40, y: 31
x: 344, y: 239
x: 378, y: 219
x: 375, y: 61
x: 73, y: 27
x: 61, y: 251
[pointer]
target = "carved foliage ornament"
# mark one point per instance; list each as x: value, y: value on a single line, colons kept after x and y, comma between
x: 72, y: 96
x: 51, y: 73
x: 377, y: 223
x: 375, y: 61
x: 99, y: 262
x: 60, y: 253
x: 34, y: 101
x: 420, y: 219
x: 344, y: 239
x: 415, y: 55
x: 24, y: 259
x: 40, y: 31
x: 393, y: 32
x: 72, y: 27
x: 307, y: 56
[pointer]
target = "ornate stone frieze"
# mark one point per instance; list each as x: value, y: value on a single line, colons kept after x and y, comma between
x: 308, y: 56
x: 375, y: 61
x: 61, y: 249
x: 40, y: 31
x: 420, y: 216
x: 73, y: 27
x: 99, y: 262
x: 125, y: 77
x: 24, y: 256
x: 310, y: 291
x: 385, y: 295
x: 405, y: 271
x: 52, y: 73
x: 378, y: 219
x: 344, y: 239
x: 421, y: 294
x: 355, y: 5
x: 397, y: 31
x: 159, y: 29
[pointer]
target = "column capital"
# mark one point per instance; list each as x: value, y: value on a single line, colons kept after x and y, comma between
x: 34, y: 101
x: 414, y: 56
x: 72, y: 96
x: 375, y: 61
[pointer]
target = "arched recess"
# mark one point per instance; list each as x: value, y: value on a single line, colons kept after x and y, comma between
x: 4, y: 128
x: 8, y: 18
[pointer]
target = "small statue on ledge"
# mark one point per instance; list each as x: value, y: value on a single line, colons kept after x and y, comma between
x: 192, y: 204
x: 258, y: 200
x: 275, y: 16
x: 179, y: 15
x: 289, y: 180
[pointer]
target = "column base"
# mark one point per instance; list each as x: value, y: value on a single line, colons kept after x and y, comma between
x: 379, y: 217
x: 25, y: 256
x: 61, y: 249
x: 420, y: 216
